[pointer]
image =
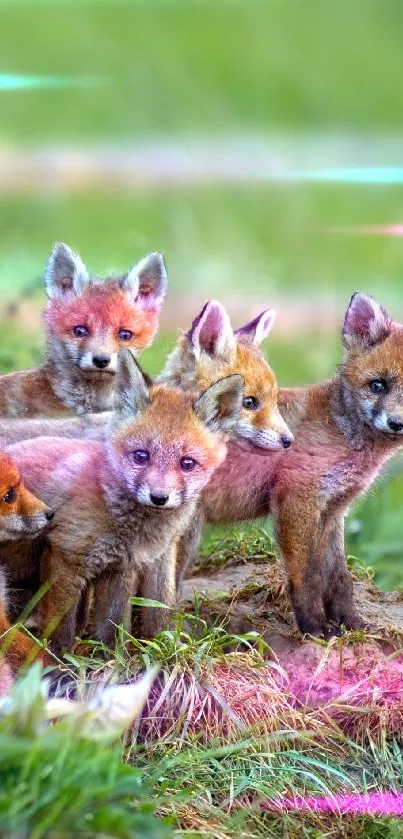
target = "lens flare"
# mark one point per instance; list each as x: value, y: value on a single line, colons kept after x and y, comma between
x: 21, y: 82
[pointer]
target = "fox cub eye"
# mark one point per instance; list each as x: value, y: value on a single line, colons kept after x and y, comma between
x: 125, y: 334
x: 81, y: 331
x: 141, y: 457
x: 188, y: 463
x: 378, y: 386
x: 10, y: 496
x: 250, y: 403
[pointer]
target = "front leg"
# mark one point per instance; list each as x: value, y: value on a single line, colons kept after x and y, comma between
x: 112, y: 590
x: 159, y: 583
x: 338, y: 582
x: 188, y: 545
x: 299, y: 531
x: 58, y: 608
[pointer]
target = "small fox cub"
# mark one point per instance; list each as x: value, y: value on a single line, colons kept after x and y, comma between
x: 22, y: 516
x: 208, y: 351
x: 87, y: 321
x: 345, y: 430
x: 121, y: 502
x: 211, y: 350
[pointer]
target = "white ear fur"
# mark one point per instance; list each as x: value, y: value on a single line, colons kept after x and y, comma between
x: 65, y: 273
x: 211, y: 332
x: 147, y: 279
x: 258, y: 329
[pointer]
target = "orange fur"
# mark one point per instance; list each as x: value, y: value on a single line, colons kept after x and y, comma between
x: 111, y: 529
x: 344, y: 434
x: 20, y: 510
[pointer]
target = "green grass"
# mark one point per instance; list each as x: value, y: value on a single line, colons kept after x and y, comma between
x: 67, y: 780
x: 210, y: 66
x: 58, y: 782
x: 264, y: 243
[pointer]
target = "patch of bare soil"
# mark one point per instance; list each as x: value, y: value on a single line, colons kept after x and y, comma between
x: 359, y: 667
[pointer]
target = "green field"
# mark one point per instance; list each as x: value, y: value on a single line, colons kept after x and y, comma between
x: 186, y: 65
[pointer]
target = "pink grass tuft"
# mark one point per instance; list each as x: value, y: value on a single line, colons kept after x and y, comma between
x: 374, y: 803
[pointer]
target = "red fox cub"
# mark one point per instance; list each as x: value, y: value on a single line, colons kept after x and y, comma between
x: 208, y: 351
x: 87, y: 321
x: 345, y: 430
x: 122, y: 501
x: 22, y: 516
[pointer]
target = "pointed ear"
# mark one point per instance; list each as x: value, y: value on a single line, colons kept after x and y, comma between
x: 65, y: 273
x: 132, y: 390
x: 211, y: 332
x: 220, y: 405
x: 366, y: 323
x: 147, y: 281
x: 258, y: 329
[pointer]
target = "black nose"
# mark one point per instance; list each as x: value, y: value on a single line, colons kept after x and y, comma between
x: 158, y: 500
x: 101, y: 361
x: 286, y: 441
x: 395, y: 424
x: 50, y: 514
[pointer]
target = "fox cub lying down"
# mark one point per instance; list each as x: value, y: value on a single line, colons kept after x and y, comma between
x: 122, y: 502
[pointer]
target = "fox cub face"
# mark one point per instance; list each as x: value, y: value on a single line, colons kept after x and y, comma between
x: 165, y: 444
x: 89, y: 320
x: 211, y: 349
x: 22, y: 515
x: 373, y: 365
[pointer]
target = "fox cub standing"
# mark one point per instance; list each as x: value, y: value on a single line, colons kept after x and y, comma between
x: 22, y: 516
x: 122, y: 502
x: 345, y: 430
x: 87, y: 321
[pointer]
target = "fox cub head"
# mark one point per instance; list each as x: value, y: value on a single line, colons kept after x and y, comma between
x: 164, y: 444
x: 372, y: 369
x: 88, y: 320
x: 210, y: 350
x: 22, y: 515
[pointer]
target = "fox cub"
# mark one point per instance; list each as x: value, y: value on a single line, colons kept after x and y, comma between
x: 210, y: 350
x: 87, y: 321
x: 122, y: 501
x: 345, y: 430
x: 22, y: 516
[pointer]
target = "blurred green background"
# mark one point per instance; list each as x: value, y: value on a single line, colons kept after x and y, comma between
x: 317, y: 81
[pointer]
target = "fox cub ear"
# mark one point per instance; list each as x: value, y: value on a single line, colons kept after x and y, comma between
x: 211, y: 332
x: 65, y: 273
x: 220, y: 405
x: 366, y: 323
x: 258, y: 329
x: 132, y: 390
x: 147, y: 281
